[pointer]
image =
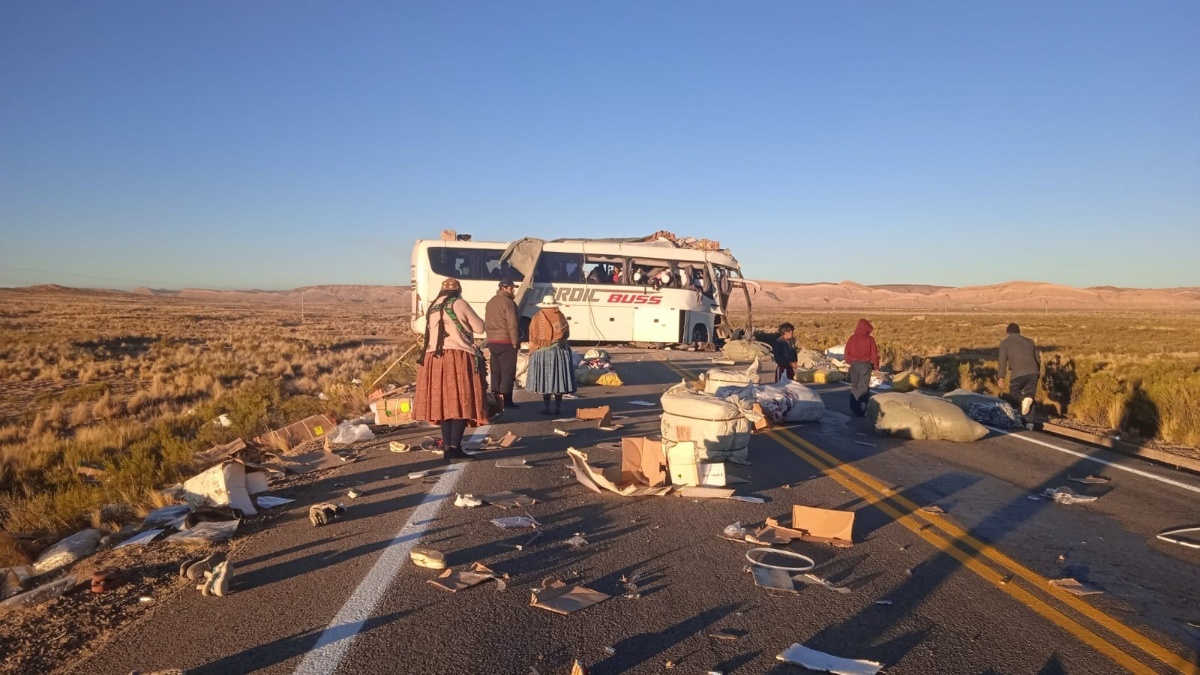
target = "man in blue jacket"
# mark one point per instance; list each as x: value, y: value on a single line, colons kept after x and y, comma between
x: 785, y: 352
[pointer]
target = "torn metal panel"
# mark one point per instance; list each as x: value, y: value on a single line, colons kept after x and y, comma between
x: 812, y: 659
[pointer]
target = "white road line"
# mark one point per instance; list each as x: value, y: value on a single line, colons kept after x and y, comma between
x: 1114, y: 465
x: 337, y: 638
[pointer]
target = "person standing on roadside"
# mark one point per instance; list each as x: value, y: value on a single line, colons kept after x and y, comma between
x: 1020, y: 355
x: 450, y: 377
x: 863, y: 356
x: 551, y: 368
x: 785, y: 352
x: 500, y: 320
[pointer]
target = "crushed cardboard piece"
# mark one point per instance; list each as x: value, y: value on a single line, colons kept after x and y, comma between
x: 294, y: 434
x: 772, y: 579
x: 703, y: 492
x: 1075, y: 587
x: 515, y: 522
x: 220, y: 453
x: 562, y: 598
x: 508, y: 439
x: 230, y: 483
x: 603, y: 415
x: 611, y: 480
x: 828, y: 525
x: 508, y: 500
x: 513, y: 463
x: 812, y: 659
x: 453, y: 581
x: 165, y: 515
x: 642, y: 461
x: 317, y: 460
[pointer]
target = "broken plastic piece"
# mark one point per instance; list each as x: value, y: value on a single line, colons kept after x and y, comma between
x: 560, y: 432
x: 508, y: 500
x: 934, y: 509
x: 735, y: 532
x: 513, y: 463
x: 823, y: 582
x: 515, y: 522
x: 812, y: 659
x: 1090, y: 480
x: 207, y: 533
x: 1075, y: 586
x: 456, y: 581
x: 270, y: 502
x: 772, y: 579
x: 1065, y: 495
x: 1170, y: 536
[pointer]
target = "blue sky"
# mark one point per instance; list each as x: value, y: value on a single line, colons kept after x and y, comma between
x: 278, y: 144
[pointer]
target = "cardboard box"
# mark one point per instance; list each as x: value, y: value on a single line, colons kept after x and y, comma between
x: 712, y: 474
x: 681, y: 462
x: 394, y: 410
x: 449, y: 235
x: 294, y: 434
x: 763, y: 424
x: 642, y: 461
x: 603, y: 414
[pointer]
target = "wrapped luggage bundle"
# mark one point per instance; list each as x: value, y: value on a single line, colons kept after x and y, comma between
x: 717, y: 378
x: 717, y: 426
x: 748, y: 350
x: 920, y: 417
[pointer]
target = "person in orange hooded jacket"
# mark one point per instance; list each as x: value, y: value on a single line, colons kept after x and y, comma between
x: 863, y: 356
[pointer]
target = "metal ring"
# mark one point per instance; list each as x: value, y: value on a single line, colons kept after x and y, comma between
x: 776, y: 551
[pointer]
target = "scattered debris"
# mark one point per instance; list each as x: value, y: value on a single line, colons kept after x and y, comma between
x: 632, y: 592
x: 417, y: 475
x: 141, y: 539
x: 756, y: 556
x: 428, y: 558
x: 508, y: 500
x: 1171, y: 536
x: 354, y: 493
x: 515, y: 522
x: 1090, y: 480
x: 812, y: 659
x: 397, y: 446
x: 508, y: 439
x: 1075, y: 587
x: 748, y: 499
x: 207, y: 533
x: 477, y: 574
x: 735, y: 532
x: 1033, y: 498
x: 772, y: 579
x: 467, y: 501
x: 934, y: 509
x: 613, y: 479
x: 349, y: 434
x: 602, y: 415
x: 513, y: 463
x: 560, y: 432
x: 217, y: 580
x: 323, y: 514
x: 39, y: 595
x: 609, y: 650
x: 822, y: 582
x: 68, y: 551
x: 563, y: 598
x: 864, y: 443
x: 642, y: 403
x: 230, y: 483
x: 270, y: 501
x: 728, y: 634
x: 106, y: 579
x: 1065, y: 495
x: 883, y: 602
x: 293, y: 435
x: 577, y: 542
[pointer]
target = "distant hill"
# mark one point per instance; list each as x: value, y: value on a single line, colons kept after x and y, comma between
x: 1013, y: 295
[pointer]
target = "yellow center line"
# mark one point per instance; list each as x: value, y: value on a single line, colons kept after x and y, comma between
x: 966, y: 549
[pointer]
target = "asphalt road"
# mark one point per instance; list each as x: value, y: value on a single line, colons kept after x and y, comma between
x: 967, y: 589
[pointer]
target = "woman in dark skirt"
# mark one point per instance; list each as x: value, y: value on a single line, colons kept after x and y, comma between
x: 450, y: 380
x: 551, y: 370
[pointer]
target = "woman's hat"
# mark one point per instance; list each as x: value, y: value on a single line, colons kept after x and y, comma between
x: 548, y: 301
x: 451, y: 285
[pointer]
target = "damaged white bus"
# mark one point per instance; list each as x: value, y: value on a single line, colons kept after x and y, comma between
x: 656, y: 290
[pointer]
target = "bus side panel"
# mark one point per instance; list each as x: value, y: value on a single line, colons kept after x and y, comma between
x: 652, y: 324
x: 697, y: 327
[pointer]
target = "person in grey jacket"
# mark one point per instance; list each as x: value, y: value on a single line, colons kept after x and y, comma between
x: 500, y: 322
x: 1020, y: 355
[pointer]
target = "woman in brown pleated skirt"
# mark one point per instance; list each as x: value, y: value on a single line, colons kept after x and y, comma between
x: 450, y: 381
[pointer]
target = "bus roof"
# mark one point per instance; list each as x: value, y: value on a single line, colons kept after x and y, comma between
x: 631, y: 247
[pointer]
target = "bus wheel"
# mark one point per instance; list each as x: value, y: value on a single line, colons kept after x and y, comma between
x: 700, y: 333
x: 523, y: 330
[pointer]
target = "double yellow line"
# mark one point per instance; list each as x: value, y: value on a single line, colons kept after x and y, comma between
x: 956, y: 542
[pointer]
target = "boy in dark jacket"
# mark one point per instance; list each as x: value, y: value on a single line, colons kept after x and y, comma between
x: 1019, y: 354
x: 863, y: 356
x: 785, y: 352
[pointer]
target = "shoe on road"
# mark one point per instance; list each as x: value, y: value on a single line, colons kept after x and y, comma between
x: 467, y: 501
x: 429, y: 558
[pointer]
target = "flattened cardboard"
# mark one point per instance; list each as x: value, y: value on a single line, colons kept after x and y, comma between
x: 763, y: 424
x: 509, y: 439
x: 772, y: 580
x: 642, y: 461
x: 220, y: 453
x: 835, y: 527
x: 712, y: 474
x: 597, y: 481
x: 702, y: 492
x: 564, y: 599
x: 294, y: 434
x: 456, y: 581
x: 317, y: 460
x: 603, y: 414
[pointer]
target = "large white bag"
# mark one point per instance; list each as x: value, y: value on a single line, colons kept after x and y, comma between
x: 716, y: 426
x: 716, y: 378
x: 802, y: 404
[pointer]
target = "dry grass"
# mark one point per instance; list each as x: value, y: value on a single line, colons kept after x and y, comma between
x: 131, y: 383
x: 1134, y: 372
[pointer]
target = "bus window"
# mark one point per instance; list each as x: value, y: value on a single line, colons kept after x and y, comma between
x: 491, y: 268
x: 602, y: 269
x: 655, y: 274
x: 561, y: 268
x: 459, y: 263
